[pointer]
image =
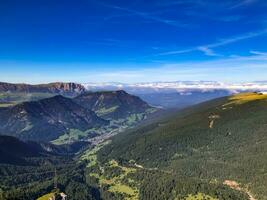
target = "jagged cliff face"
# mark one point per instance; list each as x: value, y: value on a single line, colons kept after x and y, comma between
x: 57, y: 88
x: 65, y: 87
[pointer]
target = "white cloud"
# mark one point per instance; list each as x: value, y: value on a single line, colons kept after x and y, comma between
x: 219, y: 43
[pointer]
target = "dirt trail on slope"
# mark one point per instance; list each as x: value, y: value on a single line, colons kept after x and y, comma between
x: 234, y: 185
x: 212, y: 119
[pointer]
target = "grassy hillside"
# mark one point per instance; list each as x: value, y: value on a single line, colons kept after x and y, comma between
x: 218, y: 149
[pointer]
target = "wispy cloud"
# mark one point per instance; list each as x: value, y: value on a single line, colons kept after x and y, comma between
x: 207, y: 4
x: 207, y: 49
x: 212, y: 10
x: 244, y: 3
x: 129, y: 14
x: 259, y: 53
x: 239, y: 68
x: 145, y: 15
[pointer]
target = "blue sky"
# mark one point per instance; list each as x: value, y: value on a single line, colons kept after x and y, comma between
x: 133, y: 41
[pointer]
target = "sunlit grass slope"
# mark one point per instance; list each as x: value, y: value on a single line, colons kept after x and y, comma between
x: 246, y: 97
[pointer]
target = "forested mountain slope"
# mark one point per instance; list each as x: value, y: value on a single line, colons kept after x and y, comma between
x: 13, y: 151
x: 113, y: 104
x: 47, y: 119
x: 28, y: 170
x: 218, y: 148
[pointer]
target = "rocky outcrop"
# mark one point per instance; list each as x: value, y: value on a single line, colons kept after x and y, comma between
x: 55, y: 88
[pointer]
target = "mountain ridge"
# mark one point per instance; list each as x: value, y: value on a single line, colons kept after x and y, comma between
x: 55, y: 88
x: 46, y: 119
x: 112, y: 104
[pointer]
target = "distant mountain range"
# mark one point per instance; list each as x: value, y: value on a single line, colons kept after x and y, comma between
x: 55, y: 88
x: 179, y: 86
x: 180, y: 94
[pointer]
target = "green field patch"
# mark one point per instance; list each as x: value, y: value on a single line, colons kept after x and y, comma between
x: 46, y: 197
x: 135, y: 117
x: 74, y: 135
x: 124, y: 189
x: 105, y: 111
x: 116, y: 184
x: 90, y: 155
x: 104, y: 181
x: 114, y: 176
x: 126, y: 170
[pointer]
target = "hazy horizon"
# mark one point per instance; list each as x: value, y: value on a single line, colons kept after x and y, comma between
x: 133, y: 83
